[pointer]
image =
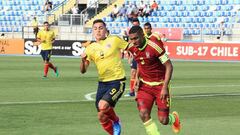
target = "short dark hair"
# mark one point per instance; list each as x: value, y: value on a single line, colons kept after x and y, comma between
x: 135, y: 20
x: 99, y: 21
x: 46, y: 22
x: 135, y: 29
x: 148, y: 24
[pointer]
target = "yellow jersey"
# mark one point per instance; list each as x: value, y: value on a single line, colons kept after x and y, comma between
x: 35, y: 23
x: 106, y: 56
x: 48, y: 36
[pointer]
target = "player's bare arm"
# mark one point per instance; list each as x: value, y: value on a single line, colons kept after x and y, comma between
x: 137, y: 81
x: 84, y: 63
x: 168, y: 75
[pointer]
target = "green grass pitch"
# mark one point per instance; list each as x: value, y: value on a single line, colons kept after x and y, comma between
x: 206, y: 95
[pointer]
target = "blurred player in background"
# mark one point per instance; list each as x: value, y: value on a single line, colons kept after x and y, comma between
x: 148, y: 32
x: 155, y: 71
x: 45, y: 38
x: 35, y: 26
x: 105, y: 54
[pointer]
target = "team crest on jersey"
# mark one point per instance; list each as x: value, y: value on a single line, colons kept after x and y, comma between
x: 108, y: 46
x: 147, y: 54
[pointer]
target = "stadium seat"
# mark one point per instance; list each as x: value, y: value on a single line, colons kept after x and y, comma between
x: 117, y: 31
x: 182, y: 25
x: 89, y: 31
x: 228, y: 32
x: 186, y: 32
x: 160, y: 25
x: 117, y: 19
x: 155, y: 19
x: 171, y: 25
x: 165, y: 25
x: 191, y: 14
x: 154, y: 25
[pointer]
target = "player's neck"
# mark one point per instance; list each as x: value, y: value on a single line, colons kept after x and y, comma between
x: 98, y: 40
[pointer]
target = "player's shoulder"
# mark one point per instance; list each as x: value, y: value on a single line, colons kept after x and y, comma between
x: 156, y: 45
x: 52, y: 31
x: 40, y: 31
x: 113, y: 37
x: 155, y: 36
x: 154, y: 40
x: 87, y: 43
x: 115, y: 40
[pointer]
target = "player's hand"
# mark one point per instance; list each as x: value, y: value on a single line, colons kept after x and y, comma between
x: 136, y: 85
x: 164, y: 94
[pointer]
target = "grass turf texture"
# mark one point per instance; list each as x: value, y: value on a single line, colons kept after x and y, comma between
x: 30, y: 105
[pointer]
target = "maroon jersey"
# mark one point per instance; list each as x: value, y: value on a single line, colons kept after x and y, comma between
x: 148, y: 59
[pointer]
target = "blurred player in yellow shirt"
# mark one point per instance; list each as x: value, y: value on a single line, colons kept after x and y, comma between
x: 35, y: 26
x: 105, y: 53
x: 46, y: 38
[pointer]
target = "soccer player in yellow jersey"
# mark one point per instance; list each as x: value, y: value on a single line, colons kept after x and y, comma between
x: 35, y: 26
x: 46, y: 38
x: 105, y: 54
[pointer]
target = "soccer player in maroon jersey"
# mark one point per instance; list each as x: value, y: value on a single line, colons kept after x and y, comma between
x: 148, y: 31
x: 155, y: 71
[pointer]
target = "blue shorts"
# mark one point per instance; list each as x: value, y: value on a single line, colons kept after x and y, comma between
x: 110, y: 91
x: 46, y: 54
x: 134, y: 64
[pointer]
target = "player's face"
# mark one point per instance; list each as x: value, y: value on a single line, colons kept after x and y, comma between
x: 46, y: 26
x: 137, y: 39
x: 99, y: 31
x: 148, y: 30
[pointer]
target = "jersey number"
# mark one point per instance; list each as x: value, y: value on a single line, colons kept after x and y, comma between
x: 113, y: 91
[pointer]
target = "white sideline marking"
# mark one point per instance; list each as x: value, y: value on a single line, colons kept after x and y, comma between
x: 89, y: 96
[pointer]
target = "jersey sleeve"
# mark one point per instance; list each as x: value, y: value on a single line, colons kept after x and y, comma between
x: 54, y: 35
x: 122, y: 44
x: 155, y: 35
x: 160, y: 51
x: 39, y: 34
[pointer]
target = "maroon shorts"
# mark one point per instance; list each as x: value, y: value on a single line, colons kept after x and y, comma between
x: 147, y: 95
